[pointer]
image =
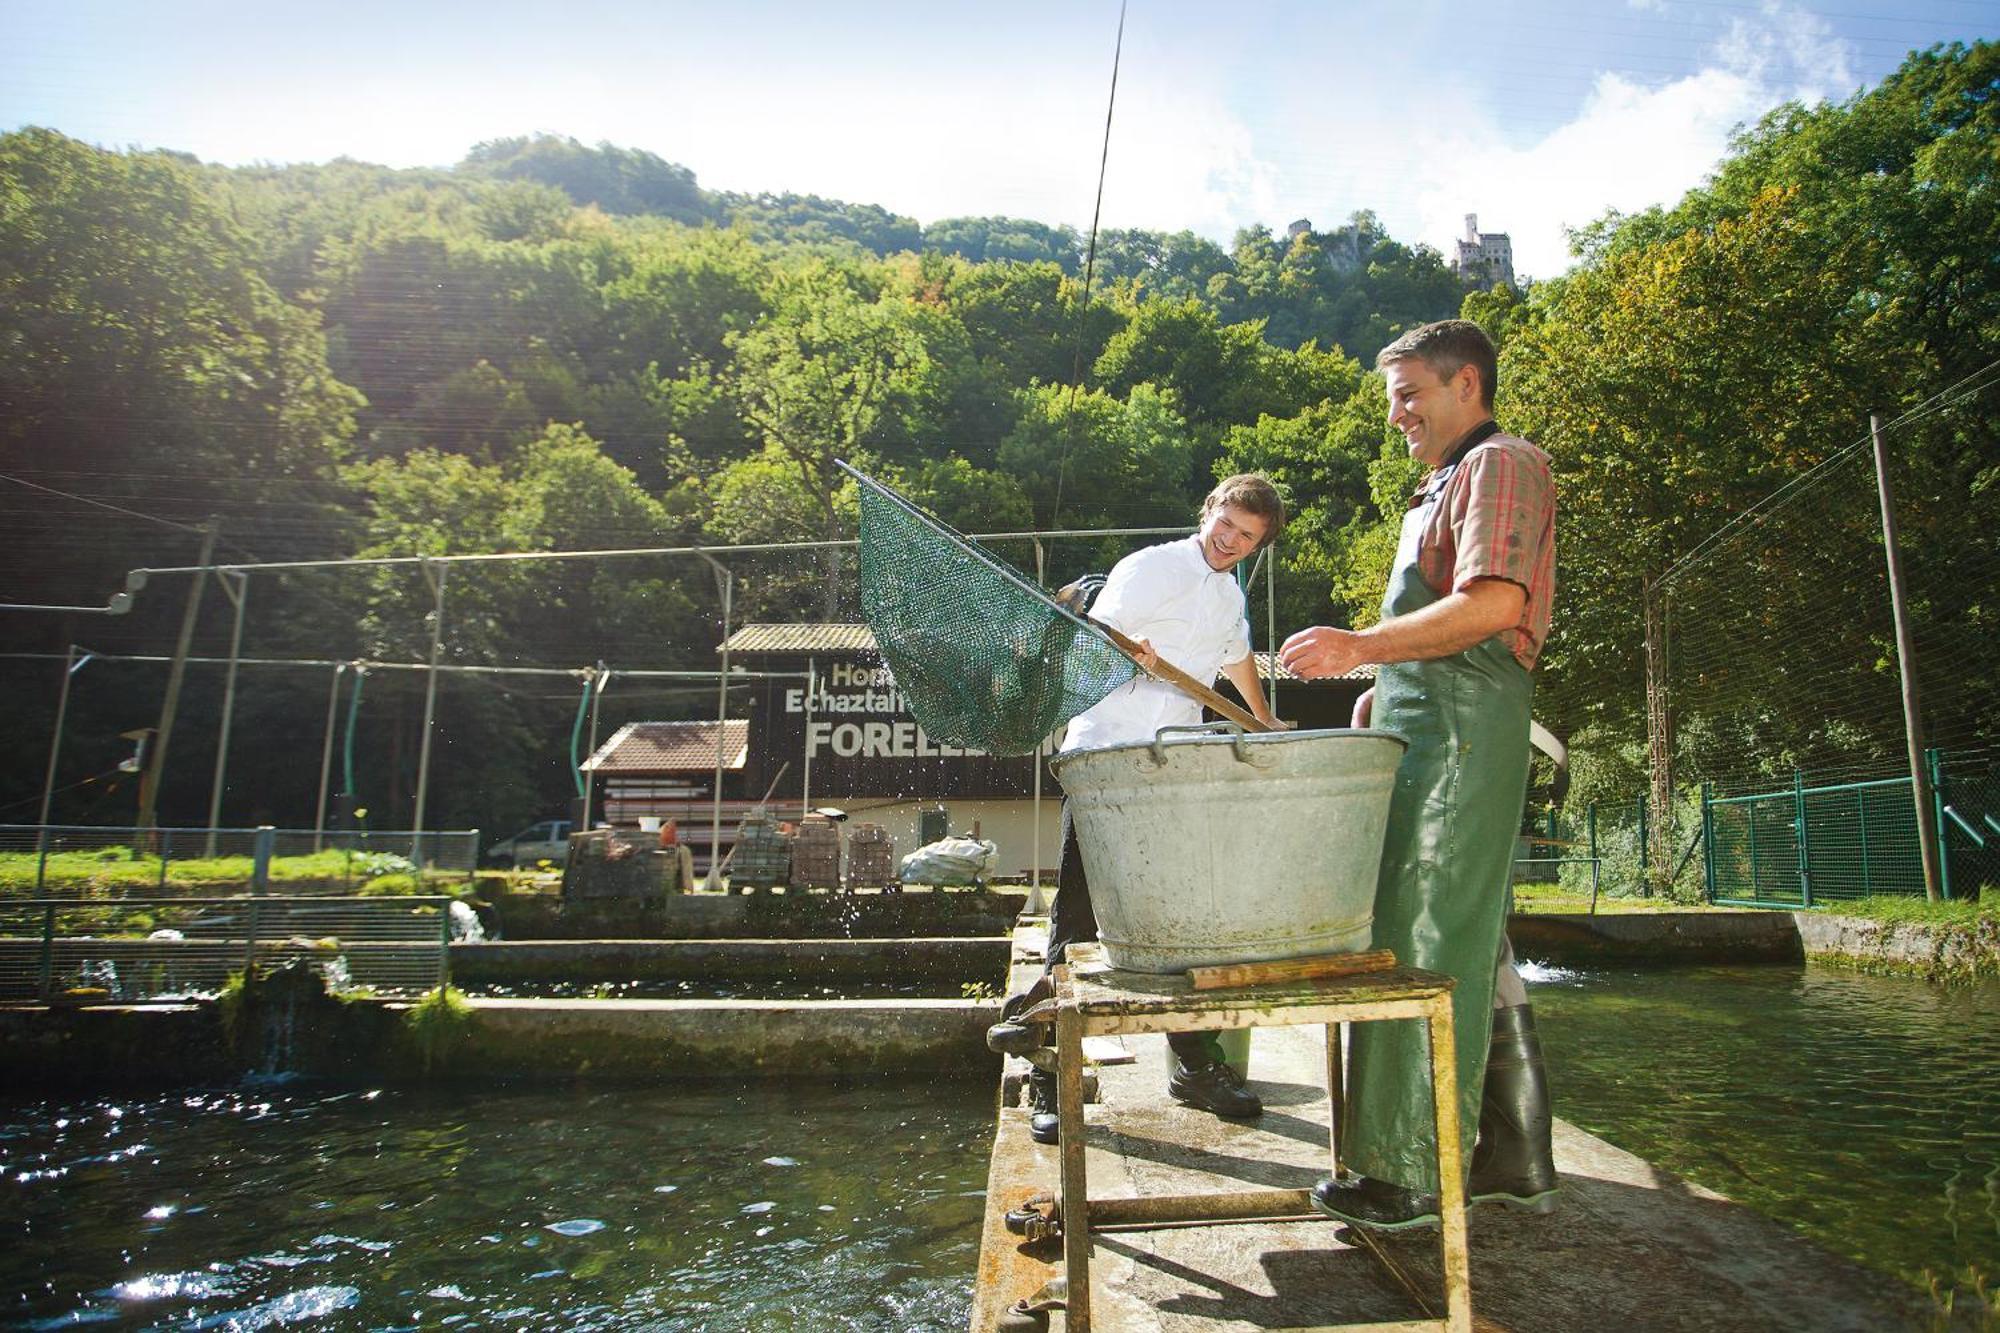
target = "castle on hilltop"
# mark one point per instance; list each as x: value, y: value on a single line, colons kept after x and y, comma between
x: 1484, y: 259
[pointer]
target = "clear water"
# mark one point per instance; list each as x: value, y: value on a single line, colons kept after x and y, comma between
x: 1864, y: 1111
x: 719, y: 1207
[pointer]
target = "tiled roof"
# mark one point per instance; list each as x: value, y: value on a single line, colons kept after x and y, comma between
x: 810, y: 638
x: 671, y: 747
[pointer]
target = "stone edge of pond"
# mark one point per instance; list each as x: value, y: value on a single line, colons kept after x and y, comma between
x: 1947, y: 953
x: 1951, y: 953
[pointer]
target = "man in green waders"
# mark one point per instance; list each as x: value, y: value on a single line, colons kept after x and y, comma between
x: 1462, y: 622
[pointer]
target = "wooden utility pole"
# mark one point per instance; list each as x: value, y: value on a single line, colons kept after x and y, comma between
x: 1906, y: 666
x: 149, y: 779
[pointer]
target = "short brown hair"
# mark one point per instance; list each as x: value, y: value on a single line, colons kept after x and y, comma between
x: 1446, y: 347
x: 1253, y: 493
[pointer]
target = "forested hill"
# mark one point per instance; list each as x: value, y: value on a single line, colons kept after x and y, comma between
x: 552, y: 345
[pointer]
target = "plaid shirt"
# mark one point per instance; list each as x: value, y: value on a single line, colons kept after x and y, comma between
x: 1495, y: 519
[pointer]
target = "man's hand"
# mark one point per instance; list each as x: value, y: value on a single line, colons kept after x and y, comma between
x: 1147, y: 657
x: 1364, y: 707
x: 1322, y: 651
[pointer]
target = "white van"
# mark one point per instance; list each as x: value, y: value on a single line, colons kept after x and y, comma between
x: 546, y: 841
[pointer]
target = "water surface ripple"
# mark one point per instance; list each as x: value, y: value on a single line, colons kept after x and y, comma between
x: 1865, y: 1111
x: 593, y: 1208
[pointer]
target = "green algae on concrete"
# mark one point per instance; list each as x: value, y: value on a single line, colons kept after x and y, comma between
x: 1957, y: 949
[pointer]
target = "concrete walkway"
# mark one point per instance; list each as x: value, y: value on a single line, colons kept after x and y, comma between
x: 1630, y: 1248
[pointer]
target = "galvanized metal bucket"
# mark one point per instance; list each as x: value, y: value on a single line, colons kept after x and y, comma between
x: 1207, y: 845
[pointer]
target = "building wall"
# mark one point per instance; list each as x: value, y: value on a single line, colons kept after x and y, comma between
x: 856, y: 736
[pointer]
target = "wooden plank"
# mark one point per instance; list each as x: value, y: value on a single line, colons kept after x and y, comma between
x: 1182, y: 681
x: 1157, y: 1210
x: 1291, y: 969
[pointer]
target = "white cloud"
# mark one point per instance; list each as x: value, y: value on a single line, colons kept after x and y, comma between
x: 1631, y: 146
x: 1786, y: 46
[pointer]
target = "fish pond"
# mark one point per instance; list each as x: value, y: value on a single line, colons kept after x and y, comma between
x: 719, y: 1206
x: 1863, y: 1111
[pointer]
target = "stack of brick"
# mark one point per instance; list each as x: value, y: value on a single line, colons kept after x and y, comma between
x: 763, y: 855
x: 816, y: 853
x: 871, y: 856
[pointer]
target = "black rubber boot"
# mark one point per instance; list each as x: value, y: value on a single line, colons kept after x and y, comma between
x: 1043, y: 1127
x: 1377, y: 1204
x: 1514, y: 1162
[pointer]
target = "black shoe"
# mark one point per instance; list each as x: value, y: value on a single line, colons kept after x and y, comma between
x: 1365, y: 1202
x: 1043, y: 1127
x: 1514, y: 1162
x: 1214, y: 1087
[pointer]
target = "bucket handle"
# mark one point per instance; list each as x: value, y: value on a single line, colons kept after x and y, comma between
x: 1238, y: 742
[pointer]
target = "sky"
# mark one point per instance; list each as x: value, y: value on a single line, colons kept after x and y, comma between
x: 1536, y: 115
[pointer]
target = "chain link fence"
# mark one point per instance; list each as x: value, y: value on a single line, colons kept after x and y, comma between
x: 139, y: 950
x: 1815, y: 844
x: 76, y: 858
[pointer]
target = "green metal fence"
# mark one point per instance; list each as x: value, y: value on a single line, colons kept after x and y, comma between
x: 1817, y: 844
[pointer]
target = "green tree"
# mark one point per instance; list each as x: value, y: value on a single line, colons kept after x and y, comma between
x: 617, y: 180
x: 985, y: 239
x: 815, y: 379
x: 1092, y: 460
x: 1700, y: 357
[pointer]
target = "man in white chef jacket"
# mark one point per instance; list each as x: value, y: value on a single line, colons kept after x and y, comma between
x: 1181, y: 601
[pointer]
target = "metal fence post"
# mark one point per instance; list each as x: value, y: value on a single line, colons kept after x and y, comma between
x: 1595, y: 864
x: 48, y: 952
x: 42, y: 862
x: 1861, y: 819
x: 1756, y: 880
x: 1933, y: 762
x: 1707, y: 842
x: 260, y: 862
x: 166, y: 855
x: 1645, y: 865
x: 1804, y: 833
x: 260, y: 882
x: 444, y: 948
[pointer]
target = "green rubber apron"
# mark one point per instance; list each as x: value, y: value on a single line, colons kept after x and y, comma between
x: 1441, y: 901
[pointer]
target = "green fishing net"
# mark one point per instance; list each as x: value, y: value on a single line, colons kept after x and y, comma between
x: 987, y: 660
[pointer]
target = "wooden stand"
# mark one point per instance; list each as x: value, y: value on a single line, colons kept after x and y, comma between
x: 1094, y: 999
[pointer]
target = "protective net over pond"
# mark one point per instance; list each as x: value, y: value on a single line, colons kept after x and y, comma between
x: 987, y: 660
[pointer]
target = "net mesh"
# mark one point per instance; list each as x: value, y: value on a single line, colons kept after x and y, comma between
x: 986, y: 659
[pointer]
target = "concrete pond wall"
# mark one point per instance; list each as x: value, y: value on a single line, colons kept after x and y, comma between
x: 913, y: 913
x: 305, y: 1032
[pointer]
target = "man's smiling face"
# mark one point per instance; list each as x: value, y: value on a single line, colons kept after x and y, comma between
x: 1433, y: 413
x: 1229, y: 534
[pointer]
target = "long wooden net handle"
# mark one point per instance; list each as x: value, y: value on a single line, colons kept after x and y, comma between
x: 1182, y: 681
